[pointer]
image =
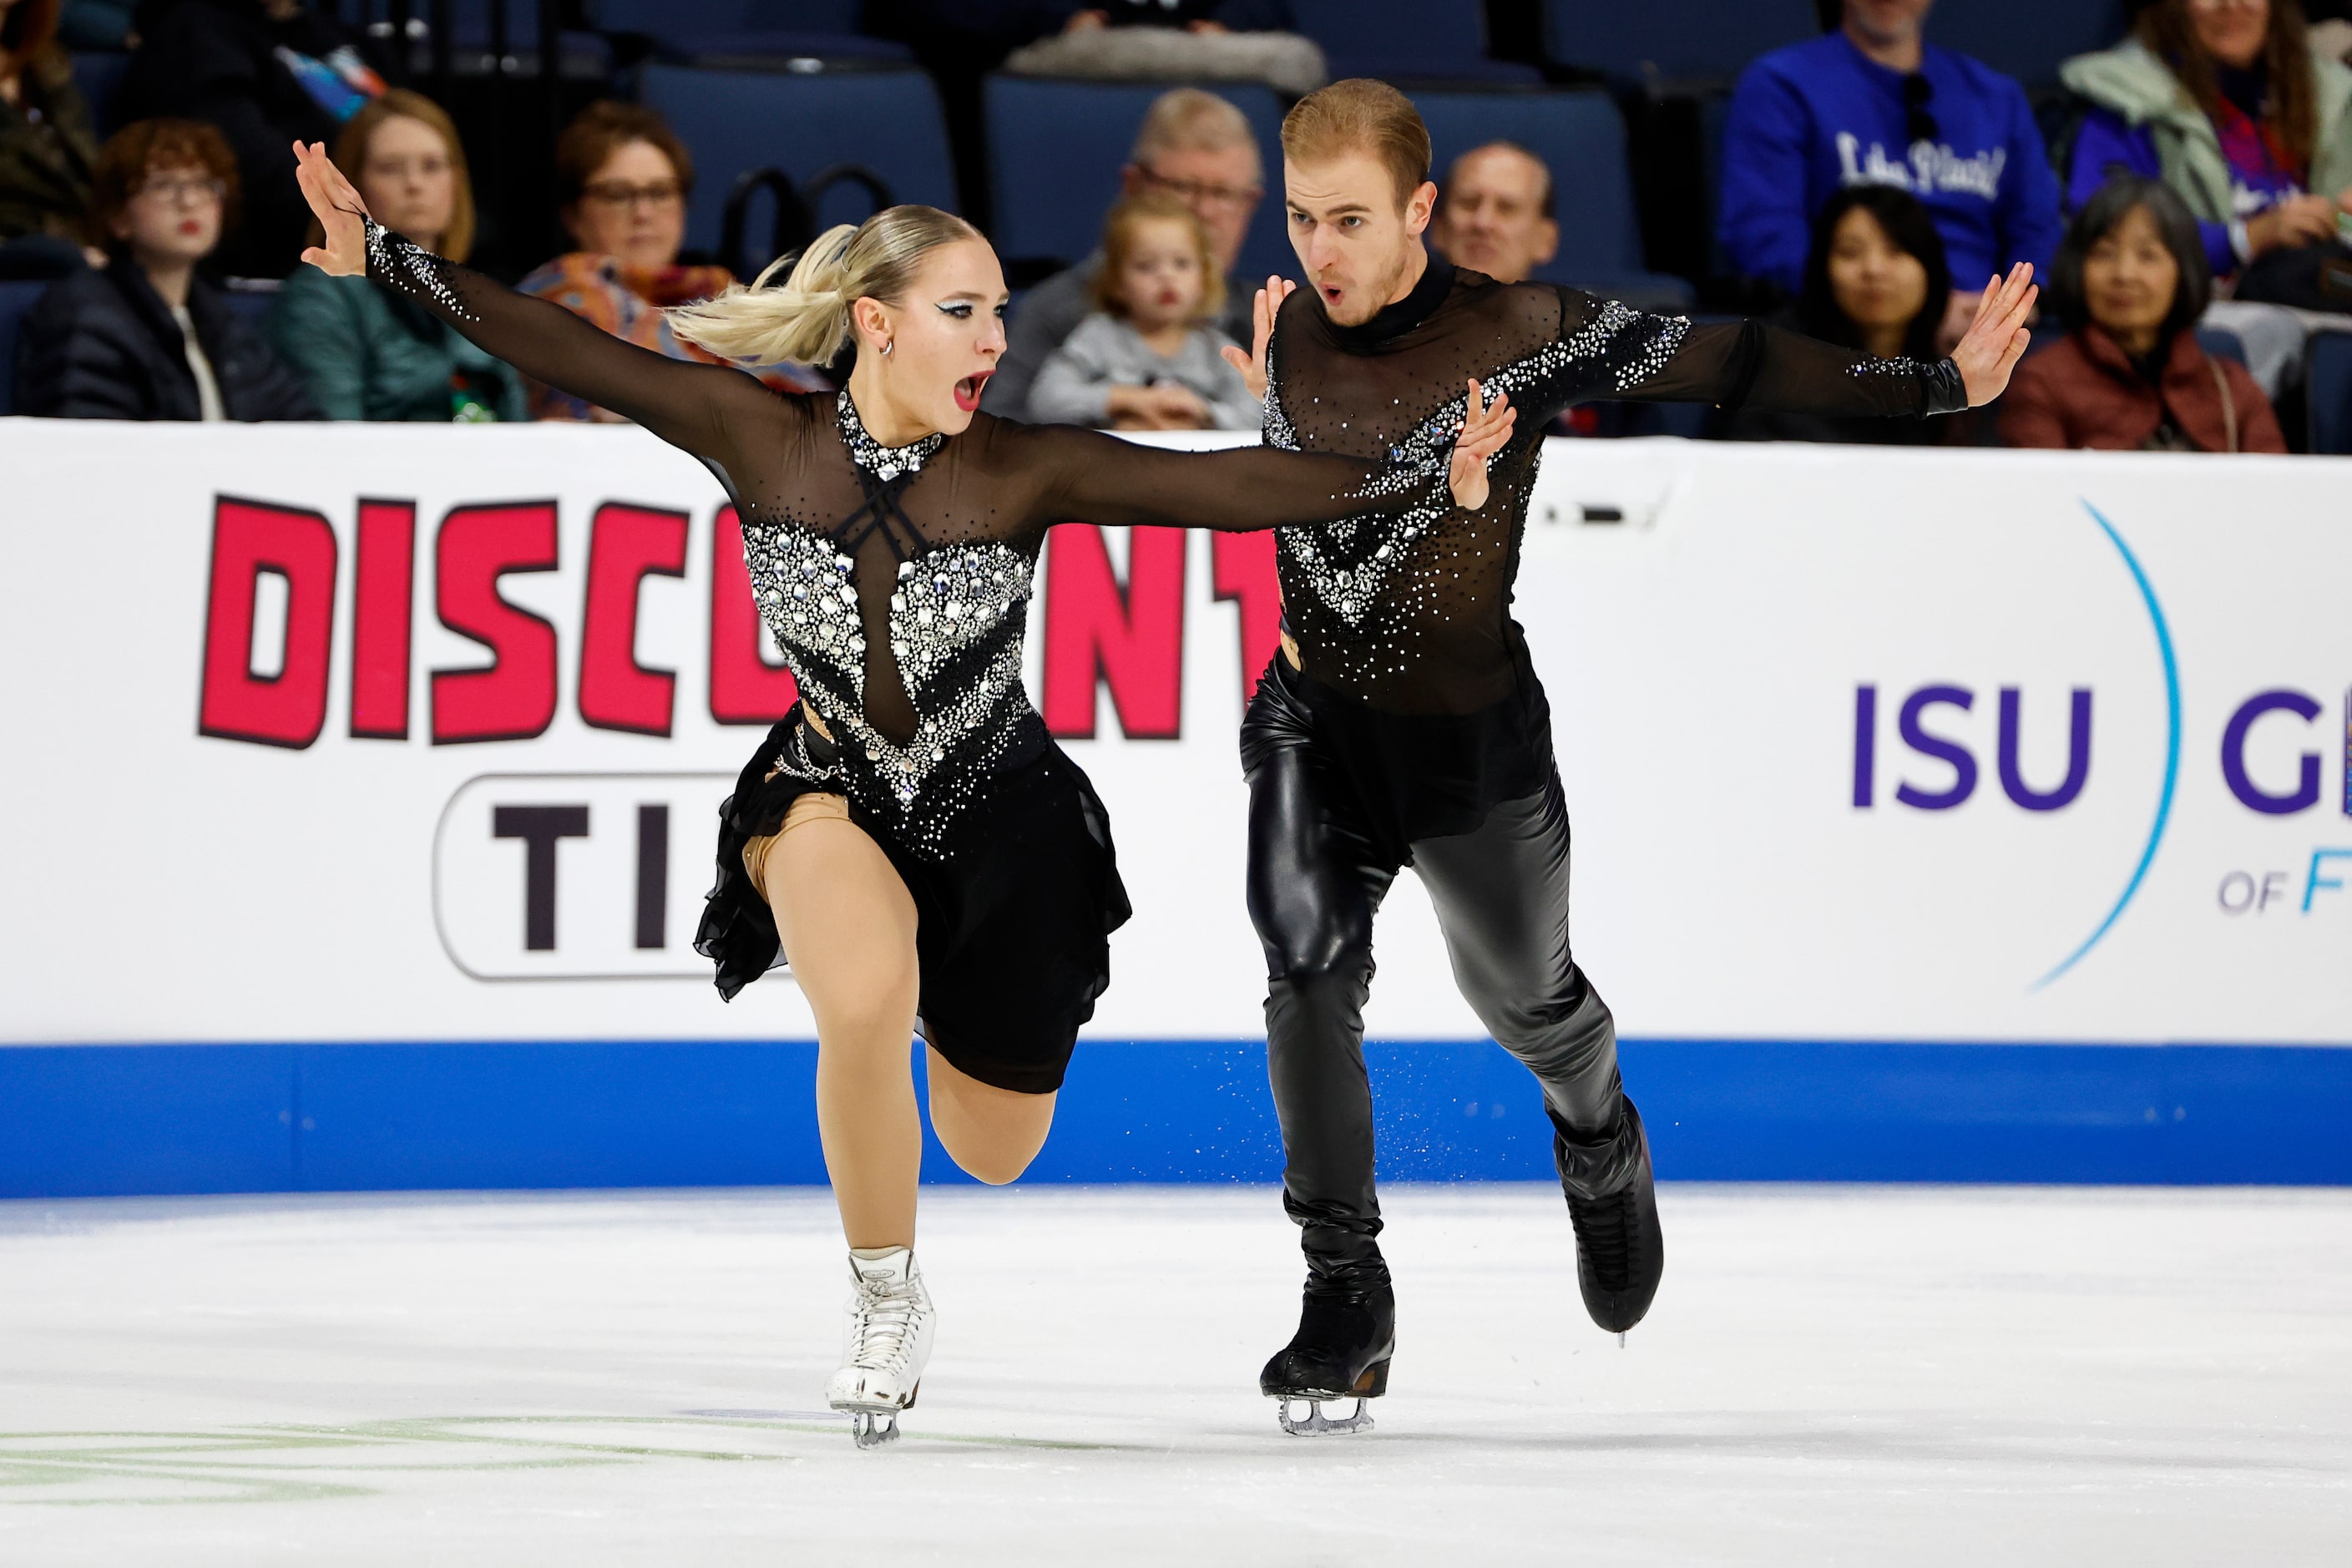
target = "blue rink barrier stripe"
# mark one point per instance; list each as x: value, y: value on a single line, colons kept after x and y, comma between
x: 101, y: 1119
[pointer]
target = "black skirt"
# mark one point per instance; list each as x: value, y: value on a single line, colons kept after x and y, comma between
x: 1013, y: 919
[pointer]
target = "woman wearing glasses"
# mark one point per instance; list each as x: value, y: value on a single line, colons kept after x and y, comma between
x: 623, y: 177
x: 146, y: 337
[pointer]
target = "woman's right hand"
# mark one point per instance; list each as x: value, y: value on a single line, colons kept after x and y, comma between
x: 2295, y: 221
x: 339, y: 210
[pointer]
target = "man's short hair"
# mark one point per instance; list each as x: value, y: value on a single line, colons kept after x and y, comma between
x: 1545, y: 202
x: 1188, y: 120
x: 1360, y: 115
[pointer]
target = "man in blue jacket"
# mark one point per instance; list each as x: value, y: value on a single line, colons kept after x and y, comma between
x: 1873, y: 103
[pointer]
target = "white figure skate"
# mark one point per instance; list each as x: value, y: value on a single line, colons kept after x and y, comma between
x: 885, y: 1343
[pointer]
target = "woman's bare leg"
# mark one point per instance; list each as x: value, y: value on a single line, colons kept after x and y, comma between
x: 992, y: 1133
x: 848, y: 928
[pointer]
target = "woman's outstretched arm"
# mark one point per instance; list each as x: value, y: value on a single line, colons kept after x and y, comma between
x: 685, y: 404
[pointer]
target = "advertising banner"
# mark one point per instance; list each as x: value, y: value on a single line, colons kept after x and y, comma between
x: 409, y: 733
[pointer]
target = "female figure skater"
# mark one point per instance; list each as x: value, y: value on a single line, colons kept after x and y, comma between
x: 925, y: 854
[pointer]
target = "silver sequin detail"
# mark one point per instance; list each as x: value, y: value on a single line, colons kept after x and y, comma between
x: 401, y: 262
x: 882, y: 462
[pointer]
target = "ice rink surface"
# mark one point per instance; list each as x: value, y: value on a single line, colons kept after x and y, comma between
x: 1866, y: 1375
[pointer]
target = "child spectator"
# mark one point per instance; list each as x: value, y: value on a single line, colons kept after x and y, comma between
x: 1874, y: 103
x: 147, y: 338
x: 368, y: 353
x: 2129, y: 283
x: 623, y: 176
x: 2230, y: 106
x: 45, y: 147
x: 1875, y: 281
x: 266, y: 73
x: 1148, y: 358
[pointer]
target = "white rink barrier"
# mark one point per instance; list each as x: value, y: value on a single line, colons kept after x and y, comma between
x: 408, y: 733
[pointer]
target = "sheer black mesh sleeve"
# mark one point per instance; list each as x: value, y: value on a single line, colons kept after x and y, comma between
x: 1736, y: 364
x: 687, y: 405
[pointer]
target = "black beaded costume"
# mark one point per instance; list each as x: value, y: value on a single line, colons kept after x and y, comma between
x: 1415, y: 732
x: 896, y: 581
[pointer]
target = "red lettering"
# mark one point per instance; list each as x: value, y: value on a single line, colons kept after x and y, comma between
x: 1245, y: 574
x: 745, y: 688
x: 1134, y: 640
x: 384, y: 595
x: 288, y: 709
x: 513, y: 698
x: 626, y: 544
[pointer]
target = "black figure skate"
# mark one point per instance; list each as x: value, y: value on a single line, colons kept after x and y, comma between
x: 1613, y: 1203
x: 1345, y: 1338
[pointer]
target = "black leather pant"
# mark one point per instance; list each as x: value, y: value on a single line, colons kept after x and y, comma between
x: 1315, y: 880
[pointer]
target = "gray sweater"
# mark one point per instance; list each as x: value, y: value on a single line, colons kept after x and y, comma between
x: 1051, y: 313
x: 1073, y: 385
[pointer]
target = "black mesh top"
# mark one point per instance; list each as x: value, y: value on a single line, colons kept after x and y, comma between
x: 895, y: 579
x: 1410, y: 612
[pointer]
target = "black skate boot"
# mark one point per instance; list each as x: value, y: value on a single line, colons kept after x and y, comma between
x: 1613, y: 1203
x: 1346, y: 1335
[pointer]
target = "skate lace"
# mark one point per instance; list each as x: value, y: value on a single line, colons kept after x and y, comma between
x: 887, y: 1320
x: 1605, y: 1232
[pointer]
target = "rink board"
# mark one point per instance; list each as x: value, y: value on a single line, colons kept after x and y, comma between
x: 1977, y: 806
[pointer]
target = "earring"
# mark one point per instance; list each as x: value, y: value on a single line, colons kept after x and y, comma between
x: 886, y: 345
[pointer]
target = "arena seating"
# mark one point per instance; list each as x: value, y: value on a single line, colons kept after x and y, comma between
x: 1055, y: 148
x: 100, y: 77
x: 1581, y: 137
x: 1409, y: 41
x: 779, y: 30
x: 736, y: 122
x: 1652, y: 43
x: 2328, y: 372
x: 2029, y: 39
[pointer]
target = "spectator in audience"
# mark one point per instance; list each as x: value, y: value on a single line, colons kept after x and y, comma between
x: 1875, y: 281
x: 1178, y: 40
x: 1194, y: 145
x: 147, y: 338
x: 1148, y: 359
x: 2129, y: 283
x: 1495, y: 213
x: 623, y: 176
x: 106, y: 27
x: 2228, y: 104
x: 46, y: 147
x: 266, y: 73
x: 1874, y: 103
x: 368, y: 353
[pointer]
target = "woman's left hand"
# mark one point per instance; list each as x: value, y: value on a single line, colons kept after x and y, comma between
x: 1997, y: 338
x: 1485, y: 427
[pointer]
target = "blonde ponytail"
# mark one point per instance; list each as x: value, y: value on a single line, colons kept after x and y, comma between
x: 806, y: 318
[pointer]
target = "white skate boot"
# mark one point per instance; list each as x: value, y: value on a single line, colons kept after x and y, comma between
x: 885, y: 1343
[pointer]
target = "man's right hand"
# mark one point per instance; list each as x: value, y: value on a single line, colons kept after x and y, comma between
x: 1262, y: 313
x: 2296, y: 221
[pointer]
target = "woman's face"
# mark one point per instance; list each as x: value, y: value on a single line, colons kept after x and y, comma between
x: 1875, y: 282
x: 1161, y: 282
x: 945, y: 337
x: 633, y: 208
x: 2232, y: 31
x: 408, y: 181
x: 173, y: 220
x: 2129, y: 280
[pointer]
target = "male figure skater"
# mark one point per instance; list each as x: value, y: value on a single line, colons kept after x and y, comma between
x: 1402, y: 723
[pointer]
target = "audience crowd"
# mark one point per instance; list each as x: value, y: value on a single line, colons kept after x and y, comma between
x: 2197, y: 174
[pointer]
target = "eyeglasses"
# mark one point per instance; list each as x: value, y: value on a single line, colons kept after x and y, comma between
x: 620, y: 193
x: 1918, y: 122
x: 1196, y: 194
x: 181, y: 190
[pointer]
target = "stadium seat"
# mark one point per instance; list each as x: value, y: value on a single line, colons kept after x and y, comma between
x: 738, y: 122
x: 1581, y: 136
x: 1681, y: 42
x: 1409, y: 41
x: 1055, y: 148
x: 2221, y: 344
x: 2029, y: 39
x: 15, y: 300
x: 584, y: 55
x: 99, y: 77
x: 2328, y: 385
x: 814, y: 30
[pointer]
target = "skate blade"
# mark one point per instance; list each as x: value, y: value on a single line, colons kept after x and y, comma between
x: 871, y: 1426
x: 1317, y: 1425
